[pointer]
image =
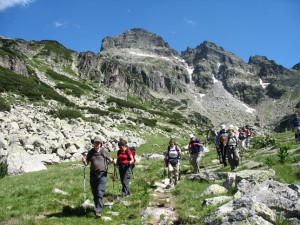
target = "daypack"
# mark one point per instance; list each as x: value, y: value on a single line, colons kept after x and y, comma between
x: 173, y: 160
x: 296, y: 122
x: 242, y: 135
x: 223, y: 138
x: 196, y: 149
x: 234, y: 137
x: 133, y: 151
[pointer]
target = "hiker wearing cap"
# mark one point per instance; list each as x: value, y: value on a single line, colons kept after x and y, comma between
x: 220, y: 143
x: 172, y: 155
x: 124, y: 161
x: 99, y: 158
x: 196, y: 150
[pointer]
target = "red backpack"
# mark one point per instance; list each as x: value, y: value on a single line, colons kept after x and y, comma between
x: 133, y: 151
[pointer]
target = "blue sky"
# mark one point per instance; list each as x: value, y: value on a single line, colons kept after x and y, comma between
x: 244, y: 27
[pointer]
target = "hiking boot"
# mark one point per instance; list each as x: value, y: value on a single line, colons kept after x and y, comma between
x: 98, y: 215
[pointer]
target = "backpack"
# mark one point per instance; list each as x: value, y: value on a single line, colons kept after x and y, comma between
x: 133, y: 151
x: 234, y: 137
x: 223, y: 138
x: 173, y: 160
x: 296, y: 122
x: 242, y: 135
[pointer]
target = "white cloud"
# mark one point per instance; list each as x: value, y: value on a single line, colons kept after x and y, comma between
x: 59, y: 24
x: 188, y: 21
x: 5, y: 4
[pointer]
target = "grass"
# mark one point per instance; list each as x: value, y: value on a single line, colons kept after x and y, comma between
x: 17, y: 193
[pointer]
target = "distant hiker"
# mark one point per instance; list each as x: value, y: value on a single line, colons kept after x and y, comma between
x: 221, y: 142
x: 248, y: 135
x: 210, y: 136
x: 125, y: 161
x: 196, y: 150
x: 172, y: 155
x: 242, y: 140
x: 232, y: 150
x: 99, y: 158
x: 296, y: 126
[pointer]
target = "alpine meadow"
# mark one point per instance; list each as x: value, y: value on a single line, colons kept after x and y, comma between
x: 138, y: 91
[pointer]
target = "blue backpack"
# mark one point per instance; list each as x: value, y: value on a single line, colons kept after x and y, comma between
x: 296, y: 122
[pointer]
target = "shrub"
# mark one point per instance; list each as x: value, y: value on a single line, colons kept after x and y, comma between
x: 96, y: 111
x: 175, y: 122
x: 4, y: 106
x: 67, y: 113
x: 114, y: 110
x: 125, y: 104
x: 269, y: 162
x: 283, y: 152
x: 148, y: 122
x: 262, y: 142
x: 3, y: 169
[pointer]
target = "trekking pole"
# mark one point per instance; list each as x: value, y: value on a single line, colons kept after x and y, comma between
x: 84, y: 190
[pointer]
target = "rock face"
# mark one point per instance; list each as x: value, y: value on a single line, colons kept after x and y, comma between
x: 140, y: 63
x: 258, y: 198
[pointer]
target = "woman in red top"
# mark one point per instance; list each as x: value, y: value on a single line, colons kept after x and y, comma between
x: 125, y: 159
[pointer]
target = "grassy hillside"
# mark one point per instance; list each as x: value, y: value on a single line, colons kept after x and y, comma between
x: 29, y: 198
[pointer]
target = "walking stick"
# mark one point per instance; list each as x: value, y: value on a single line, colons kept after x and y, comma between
x: 84, y: 191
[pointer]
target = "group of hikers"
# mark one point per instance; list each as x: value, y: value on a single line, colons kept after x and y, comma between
x: 230, y: 144
x: 99, y: 158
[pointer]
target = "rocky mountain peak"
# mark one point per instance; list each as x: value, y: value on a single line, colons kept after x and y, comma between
x: 138, y: 38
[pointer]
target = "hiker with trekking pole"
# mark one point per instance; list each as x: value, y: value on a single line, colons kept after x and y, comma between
x: 99, y: 158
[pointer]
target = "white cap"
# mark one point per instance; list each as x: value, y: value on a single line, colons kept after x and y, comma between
x: 191, y: 136
x: 223, y: 126
x: 231, y: 126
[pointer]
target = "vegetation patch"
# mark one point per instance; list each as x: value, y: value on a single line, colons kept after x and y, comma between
x: 125, y: 104
x: 4, y: 105
x: 64, y: 113
x: 30, y: 87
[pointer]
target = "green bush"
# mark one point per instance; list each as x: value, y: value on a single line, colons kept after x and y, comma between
x: 148, y: 122
x: 175, y: 122
x: 30, y: 87
x: 262, y: 142
x: 4, y: 106
x: 125, y: 104
x: 283, y: 153
x: 96, y: 111
x: 114, y: 110
x: 3, y: 169
x: 66, y: 113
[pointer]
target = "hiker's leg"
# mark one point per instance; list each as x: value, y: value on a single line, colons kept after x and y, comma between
x: 170, y: 172
x: 223, y: 153
x: 176, y: 173
x: 236, y: 157
x: 230, y: 158
x: 98, y: 185
x: 126, y: 189
x: 195, y: 163
x: 122, y: 171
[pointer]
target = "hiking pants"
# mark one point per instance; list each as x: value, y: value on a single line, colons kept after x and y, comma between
x: 297, y: 133
x: 223, y: 153
x: 248, y: 142
x: 233, y: 156
x: 173, y: 172
x: 219, y: 154
x: 194, y: 160
x: 98, y: 185
x: 242, y: 146
x: 125, y: 174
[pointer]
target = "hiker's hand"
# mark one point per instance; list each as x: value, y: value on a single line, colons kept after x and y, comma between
x: 84, y: 161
